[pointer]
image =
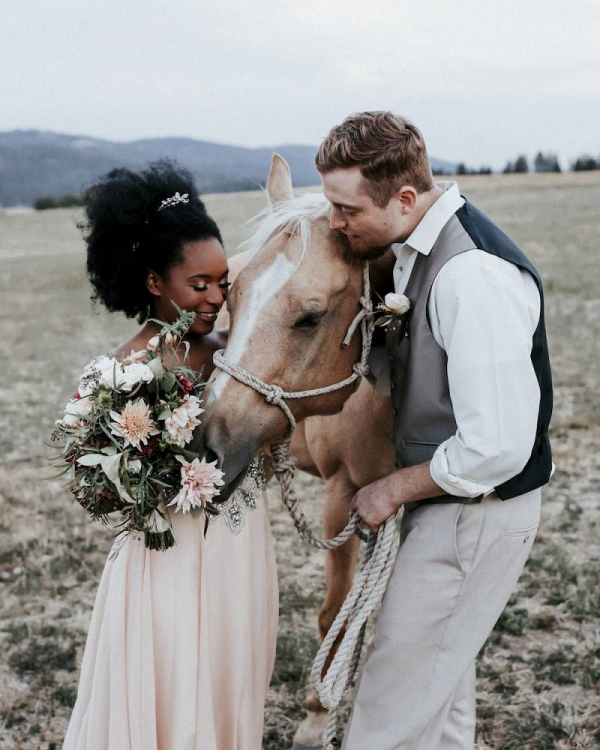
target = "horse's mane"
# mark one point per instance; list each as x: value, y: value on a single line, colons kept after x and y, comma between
x: 292, y: 216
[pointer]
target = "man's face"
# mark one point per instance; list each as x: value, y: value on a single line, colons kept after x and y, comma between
x: 370, y: 229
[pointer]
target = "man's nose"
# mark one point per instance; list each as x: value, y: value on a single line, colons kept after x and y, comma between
x: 336, y: 219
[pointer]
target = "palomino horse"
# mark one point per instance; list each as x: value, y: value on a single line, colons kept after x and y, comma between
x: 290, y: 308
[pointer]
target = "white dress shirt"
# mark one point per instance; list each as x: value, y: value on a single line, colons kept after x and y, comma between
x: 483, y: 311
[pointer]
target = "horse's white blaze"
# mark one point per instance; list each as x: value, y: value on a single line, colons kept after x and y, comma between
x: 263, y: 288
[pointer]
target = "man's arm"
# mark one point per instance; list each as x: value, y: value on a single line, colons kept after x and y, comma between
x: 378, y: 501
x: 483, y: 312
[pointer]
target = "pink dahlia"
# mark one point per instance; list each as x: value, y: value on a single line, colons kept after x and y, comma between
x: 134, y: 424
x: 183, y: 420
x: 199, y: 482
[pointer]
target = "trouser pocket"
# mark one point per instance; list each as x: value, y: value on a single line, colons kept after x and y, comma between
x: 521, y: 533
x: 467, y: 531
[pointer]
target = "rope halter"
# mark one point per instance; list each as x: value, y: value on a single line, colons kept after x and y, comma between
x: 275, y: 395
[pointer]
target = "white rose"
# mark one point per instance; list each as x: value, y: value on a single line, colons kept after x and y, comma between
x: 134, y: 466
x: 397, y: 303
x: 75, y: 409
x: 134, y: 374
x: 111, y: 372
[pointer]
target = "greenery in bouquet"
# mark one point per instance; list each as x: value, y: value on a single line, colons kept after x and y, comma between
x: 121, y: 441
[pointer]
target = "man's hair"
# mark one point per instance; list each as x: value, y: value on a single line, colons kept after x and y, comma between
x: 388, y: 149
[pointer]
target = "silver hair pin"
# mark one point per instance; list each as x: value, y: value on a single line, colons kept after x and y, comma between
x: 174, y: 200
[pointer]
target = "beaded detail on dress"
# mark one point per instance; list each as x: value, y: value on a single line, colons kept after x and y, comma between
x: 244, y: 498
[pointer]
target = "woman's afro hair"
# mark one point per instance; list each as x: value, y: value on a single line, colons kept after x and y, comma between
x: 127, y: 234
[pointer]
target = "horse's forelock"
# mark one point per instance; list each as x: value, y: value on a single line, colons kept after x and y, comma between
x: 293, y: 216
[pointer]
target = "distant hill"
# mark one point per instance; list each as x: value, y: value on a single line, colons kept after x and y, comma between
x: 35, y: 162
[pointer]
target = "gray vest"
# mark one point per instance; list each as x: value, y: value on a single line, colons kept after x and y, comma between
x: 421, y: 404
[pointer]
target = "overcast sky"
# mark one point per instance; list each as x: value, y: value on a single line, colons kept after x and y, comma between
x: 484, y: 80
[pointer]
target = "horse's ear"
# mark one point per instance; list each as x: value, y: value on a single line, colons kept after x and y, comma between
x: 279, y: 183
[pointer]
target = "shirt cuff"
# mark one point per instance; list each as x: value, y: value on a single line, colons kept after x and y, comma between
x: 450, y: 483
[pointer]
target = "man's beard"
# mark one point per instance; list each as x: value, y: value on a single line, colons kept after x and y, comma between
x: 367, y: 252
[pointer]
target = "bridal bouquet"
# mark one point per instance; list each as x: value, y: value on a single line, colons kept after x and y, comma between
x: 122, y: 439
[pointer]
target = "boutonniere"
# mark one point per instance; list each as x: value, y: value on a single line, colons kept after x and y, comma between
x: 392, y: 308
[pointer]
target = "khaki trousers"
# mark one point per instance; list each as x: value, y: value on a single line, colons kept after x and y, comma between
x: 457, y: 566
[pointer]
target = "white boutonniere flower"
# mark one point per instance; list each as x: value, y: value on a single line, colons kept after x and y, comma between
x: 393, y: 307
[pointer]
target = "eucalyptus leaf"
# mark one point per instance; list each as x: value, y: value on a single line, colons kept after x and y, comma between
x: 168, y: 381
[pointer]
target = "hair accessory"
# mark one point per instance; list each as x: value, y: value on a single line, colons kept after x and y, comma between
x: 173, y: 200
x: 135, y: 246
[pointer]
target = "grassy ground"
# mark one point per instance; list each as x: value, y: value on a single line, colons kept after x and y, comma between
x: 539, y: 673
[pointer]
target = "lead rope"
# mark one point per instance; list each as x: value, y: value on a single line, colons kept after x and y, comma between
x: 371, y: 581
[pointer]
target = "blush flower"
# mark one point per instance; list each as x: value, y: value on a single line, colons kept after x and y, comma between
x: 183, y: 420
x: 134, y: 424
x: 152, y: 344
x: 199, y: 482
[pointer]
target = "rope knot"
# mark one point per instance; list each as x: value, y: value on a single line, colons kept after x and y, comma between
x: 367, y: 305
x: 362, y: 370
x: 274, y: 395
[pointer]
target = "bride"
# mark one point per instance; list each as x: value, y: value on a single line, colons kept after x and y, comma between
x: 181, y: 643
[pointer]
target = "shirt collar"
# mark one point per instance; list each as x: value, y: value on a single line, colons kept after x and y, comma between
x: 428, y: 229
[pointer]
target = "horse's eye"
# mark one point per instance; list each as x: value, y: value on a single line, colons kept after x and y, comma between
x: 309, y: 320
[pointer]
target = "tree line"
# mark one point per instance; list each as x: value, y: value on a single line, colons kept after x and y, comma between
x: 68, y: 200
x: 541, y: 163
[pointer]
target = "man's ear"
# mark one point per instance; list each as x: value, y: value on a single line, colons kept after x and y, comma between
x: 153, y: 283
x: 407, y: 196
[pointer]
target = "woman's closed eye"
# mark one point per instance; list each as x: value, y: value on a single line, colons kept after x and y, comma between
x: 223, y: 285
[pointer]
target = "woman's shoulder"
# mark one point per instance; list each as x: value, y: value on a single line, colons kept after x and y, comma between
x: 138, y: 342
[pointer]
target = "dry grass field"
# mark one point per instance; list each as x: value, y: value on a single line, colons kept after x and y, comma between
x: 539, y: 673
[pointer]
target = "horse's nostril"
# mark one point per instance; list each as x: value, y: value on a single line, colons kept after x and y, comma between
x: 210, y: 456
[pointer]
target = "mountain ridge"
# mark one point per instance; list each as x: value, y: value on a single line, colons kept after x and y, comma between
x: 43, y: 162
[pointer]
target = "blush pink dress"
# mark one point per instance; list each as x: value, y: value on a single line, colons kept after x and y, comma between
x: 181, y: 643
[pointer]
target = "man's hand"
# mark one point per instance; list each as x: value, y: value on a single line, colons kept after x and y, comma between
x: 376, y: 502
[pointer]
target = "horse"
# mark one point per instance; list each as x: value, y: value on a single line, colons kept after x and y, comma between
x: 296, y: 292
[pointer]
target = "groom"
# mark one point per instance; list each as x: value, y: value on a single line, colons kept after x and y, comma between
x: 472, y: 398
